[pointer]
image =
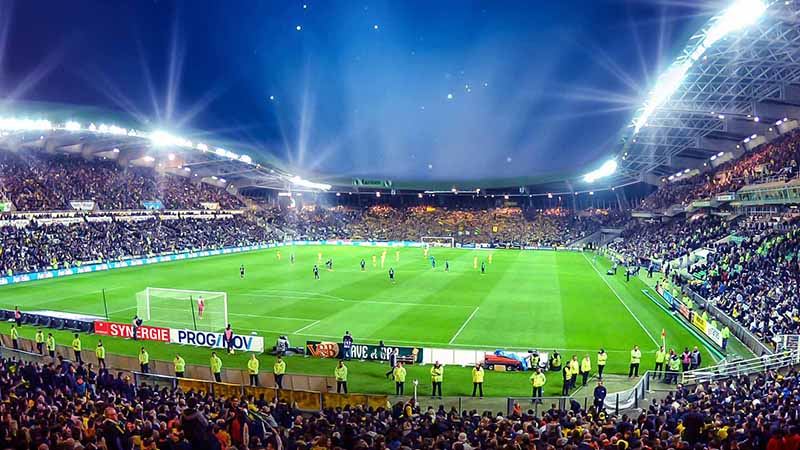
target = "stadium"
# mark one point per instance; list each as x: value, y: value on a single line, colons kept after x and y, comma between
x: 373, y: 232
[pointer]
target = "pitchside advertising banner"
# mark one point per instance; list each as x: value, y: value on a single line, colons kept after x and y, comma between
x: 692, y: 317
x: 125, y: 330
x: 216, y: 340
x: 365, y: 352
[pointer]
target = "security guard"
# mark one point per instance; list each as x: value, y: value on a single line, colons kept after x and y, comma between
x: 636, y: 357
x: 216, y: 367
x: 555, y: 362
x: 567, y: 374
x: 674, y: 367
x: 726, y: 334
x: 661, y: 357
x: 399, y: 375
x: 39, y: 338
x: 76, y: 347
x: 51, y: 345
x: 180, y: 366
x: 574, y: 370
x: 252, y: 369
x: 278, y: 369
x: 538, y: 379
x: 437, y: 376
x: 477, y: 379
x: 144, y: 361
x: 586, y: 369
x: 100, y: 353
x: 14, y: 337
x: 340, y: 372
x: 602, y: 359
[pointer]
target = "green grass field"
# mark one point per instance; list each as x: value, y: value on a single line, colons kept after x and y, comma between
x: 526, y: 300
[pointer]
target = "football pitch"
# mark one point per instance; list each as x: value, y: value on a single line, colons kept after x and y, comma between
x: 526, y: 300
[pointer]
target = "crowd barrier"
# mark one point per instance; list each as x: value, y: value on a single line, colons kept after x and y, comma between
x: 47, y: 321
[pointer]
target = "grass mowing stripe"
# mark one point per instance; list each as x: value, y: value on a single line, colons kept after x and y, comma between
x: 464, y: 324
x: 621, y: 301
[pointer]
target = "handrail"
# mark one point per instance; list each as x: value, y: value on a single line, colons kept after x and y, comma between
x: 729, y: 369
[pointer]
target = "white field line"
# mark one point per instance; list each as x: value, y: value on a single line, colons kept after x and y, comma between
x: 463, y: 325
x: 621, y: 301
x: 312, y: 296
x: 307, y: 327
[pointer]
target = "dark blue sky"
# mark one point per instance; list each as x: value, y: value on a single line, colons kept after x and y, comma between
x: 537, y: 87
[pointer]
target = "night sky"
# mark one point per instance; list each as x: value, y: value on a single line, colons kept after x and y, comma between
x: 405, y: 90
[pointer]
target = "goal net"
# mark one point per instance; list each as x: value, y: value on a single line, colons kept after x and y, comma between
x: 437, y: 241
x: 179, y: 308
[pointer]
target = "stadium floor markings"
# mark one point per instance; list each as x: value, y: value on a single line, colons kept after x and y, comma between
x: 312, y: 296
x: 621, y: 301
x: 307, y: 326
x: 464, y: 325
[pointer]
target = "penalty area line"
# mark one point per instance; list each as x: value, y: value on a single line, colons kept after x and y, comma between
x: 307, y: 326
x: 463, y: 325
x: 621, y: 301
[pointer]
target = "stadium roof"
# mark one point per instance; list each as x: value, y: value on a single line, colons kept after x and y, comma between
x: 733, y: 82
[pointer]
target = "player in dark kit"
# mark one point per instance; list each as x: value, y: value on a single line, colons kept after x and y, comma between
x: 329, y: 263
x: 391, y: 274
x: 363, y: 264
x: 241, y: 271
x: 447, y: 266
x: 316, y: 272
x: 483, y: 267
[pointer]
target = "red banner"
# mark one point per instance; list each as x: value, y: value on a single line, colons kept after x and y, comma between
x: 125, y: 330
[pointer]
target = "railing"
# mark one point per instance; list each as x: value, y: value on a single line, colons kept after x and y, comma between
x: 787, y: 342
x: 730, y: 369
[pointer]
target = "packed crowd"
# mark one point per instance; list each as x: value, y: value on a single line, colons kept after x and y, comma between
x: 42, y: 182
x: 672, y: 240
x: 756, y: 281
x: 74, y: 407
x: 775, y: 161
x: 37, y: 246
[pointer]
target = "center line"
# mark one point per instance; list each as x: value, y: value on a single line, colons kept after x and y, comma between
x: 464, y: 324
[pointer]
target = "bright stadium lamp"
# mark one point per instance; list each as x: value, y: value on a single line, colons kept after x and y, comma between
x: 309, y: 184
x: 72, y: 126
x: 608, y: 168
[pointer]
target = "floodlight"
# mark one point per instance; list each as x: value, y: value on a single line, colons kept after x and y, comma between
x: 72, y: 126
x: 608, y: 168
x: 756, y: 119
x: 148, y: 158
x: 171, y: 157
x: 713, y: 157
x: 720, y: 154
x: 377, y: 194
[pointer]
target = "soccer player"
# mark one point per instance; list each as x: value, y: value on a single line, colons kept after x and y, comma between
x: 490, y: 258
x: 374, y: 261
x: 447, y: 266
x: 319, y: 257
x: 316, y: 272
x: 363, y: 264
x: 391, y: 274
x: 291, y: 258
x: 329, y: 264
x: 137, y: 322
x: 483, y: 267
x: 474, y: 262
x: 241, y: 271
x: 397, y: 255
x: 76, y: 347
x: 340, y: 372
x: 17, y: 316
x: 433, y: 262
x: 383, y: 258
x: 201, y: 306
x: 347, y: 345
x: 426, y: 251
x: 227, y: 335
x: 278, y: 255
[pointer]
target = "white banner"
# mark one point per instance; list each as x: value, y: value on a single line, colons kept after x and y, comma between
x: 210, y: 205
x: 82, y: 205
x: 714, y: 334
x: 215, y: 340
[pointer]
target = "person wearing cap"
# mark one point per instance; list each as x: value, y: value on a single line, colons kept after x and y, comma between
x: 399, y: 375
x: 76, y: 347
x: 252, y: 369
x: 39, y: 338
x: 602, y: 359
x: 144, y: 361
x: 538, y: 379
x: 51, y: 345
x: 216, y: 367
x: 180, y: 366
x: 477, y: 379
x: 437, y: 376
x: 100, y: 353
x: 636, y: 357
x: 278, y: 369
x: 340, y: 372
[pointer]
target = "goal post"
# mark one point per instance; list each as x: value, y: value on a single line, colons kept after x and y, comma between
x: 180, y: 308
x: 438, y: 241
